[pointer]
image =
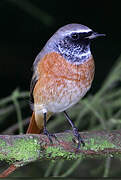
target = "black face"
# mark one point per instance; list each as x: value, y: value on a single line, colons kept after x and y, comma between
x: 75, y: 47
x: 78, y: 37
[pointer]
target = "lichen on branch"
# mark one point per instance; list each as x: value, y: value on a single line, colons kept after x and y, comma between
x: 22, y: 149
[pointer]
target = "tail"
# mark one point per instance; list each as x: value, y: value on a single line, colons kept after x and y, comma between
x: 36, y: 124
x: 35, y: 127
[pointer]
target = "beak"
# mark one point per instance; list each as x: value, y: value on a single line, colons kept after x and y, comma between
x: 95, y: 35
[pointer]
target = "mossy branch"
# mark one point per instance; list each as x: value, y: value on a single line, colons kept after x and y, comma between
x: 22, y: 149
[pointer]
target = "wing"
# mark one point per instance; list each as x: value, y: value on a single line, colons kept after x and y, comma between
x: 32, y: 85
x: 34, y: 78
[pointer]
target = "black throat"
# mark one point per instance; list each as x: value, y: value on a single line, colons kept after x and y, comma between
x: 75, y: 51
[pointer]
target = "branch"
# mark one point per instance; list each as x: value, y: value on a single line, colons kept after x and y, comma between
x: 22, y: 149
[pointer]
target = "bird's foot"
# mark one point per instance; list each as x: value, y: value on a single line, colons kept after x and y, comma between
x: 78, y: 137
x: 50, y: 136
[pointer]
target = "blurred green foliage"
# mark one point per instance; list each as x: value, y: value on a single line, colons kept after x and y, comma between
x: 34, y: 11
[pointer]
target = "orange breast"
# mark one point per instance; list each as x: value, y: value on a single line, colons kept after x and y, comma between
x: 61, y: 84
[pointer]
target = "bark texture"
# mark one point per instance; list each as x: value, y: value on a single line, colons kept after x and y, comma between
x: 22, y: 149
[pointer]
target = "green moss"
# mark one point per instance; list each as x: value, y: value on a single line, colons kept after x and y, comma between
x: 21, y: 150
x: 92, y: 145
x: 56, y: 152
x: 2, y: 146
x: 2, y: 143
x: 28, y: 149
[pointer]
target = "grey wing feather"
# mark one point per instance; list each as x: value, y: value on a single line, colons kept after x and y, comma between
x: 34, y: 77
x: 32, y: 85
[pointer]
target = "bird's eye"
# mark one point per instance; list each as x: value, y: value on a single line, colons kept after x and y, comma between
x: 75, y: 36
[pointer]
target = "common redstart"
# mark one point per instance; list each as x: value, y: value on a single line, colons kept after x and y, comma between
x: 62, y: 74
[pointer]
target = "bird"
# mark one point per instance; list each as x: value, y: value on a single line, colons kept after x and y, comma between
x: 63, y: 72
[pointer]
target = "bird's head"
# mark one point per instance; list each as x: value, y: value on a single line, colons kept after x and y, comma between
x: 72, y: 41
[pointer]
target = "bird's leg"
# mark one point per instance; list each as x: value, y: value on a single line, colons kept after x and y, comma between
x: 75, y: 130
x: 46, y: 131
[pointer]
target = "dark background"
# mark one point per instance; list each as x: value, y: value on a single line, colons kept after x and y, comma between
x: 23, y: 33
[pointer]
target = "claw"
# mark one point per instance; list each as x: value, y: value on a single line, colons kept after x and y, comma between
x: 75, y: 131
x: 78, y: 137
x: 49, y: 136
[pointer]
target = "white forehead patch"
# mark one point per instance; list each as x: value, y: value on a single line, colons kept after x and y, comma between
x: 73, y: 28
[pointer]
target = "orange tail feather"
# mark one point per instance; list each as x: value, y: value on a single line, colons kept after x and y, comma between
x: 33, y: 128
